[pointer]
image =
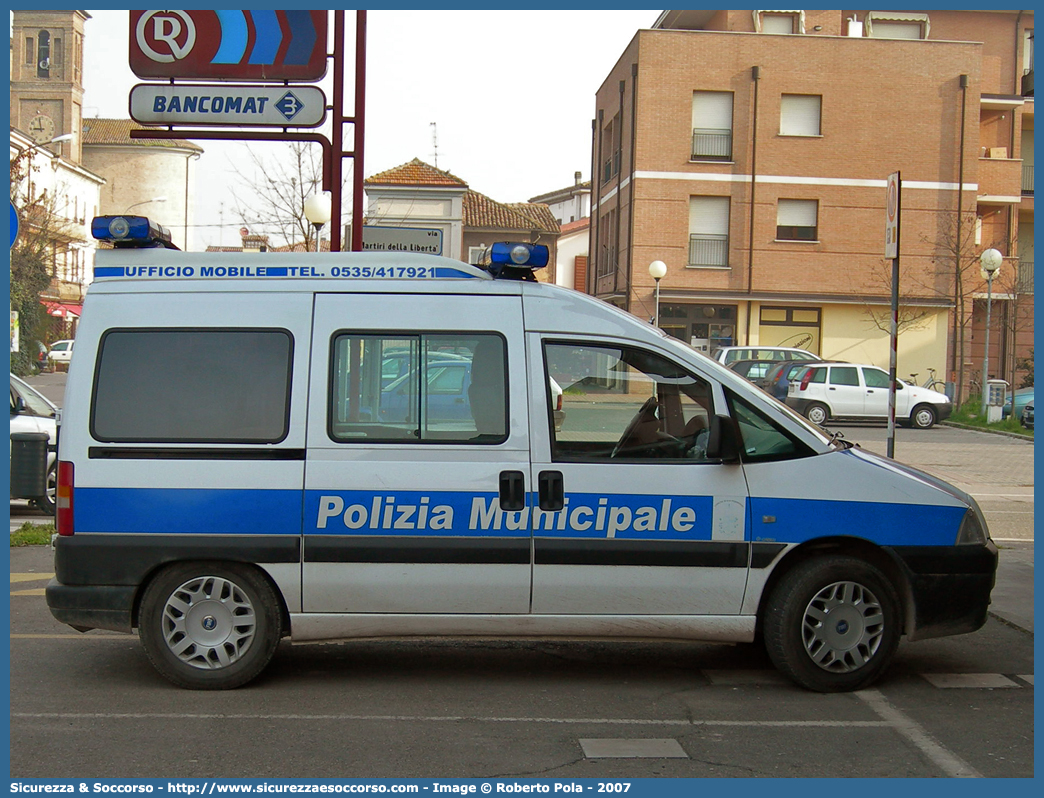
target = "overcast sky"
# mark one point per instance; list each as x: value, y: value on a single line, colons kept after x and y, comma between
x: 511, y: 93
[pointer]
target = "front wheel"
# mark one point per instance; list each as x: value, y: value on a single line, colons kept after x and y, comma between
x: 922, y: 417
x: 817, y: 413
x: 210, y: 626
x: 832, y: 624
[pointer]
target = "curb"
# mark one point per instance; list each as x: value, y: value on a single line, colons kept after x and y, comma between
x: 1005, y: 433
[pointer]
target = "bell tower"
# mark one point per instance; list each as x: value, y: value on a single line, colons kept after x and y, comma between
x: 47, y: 76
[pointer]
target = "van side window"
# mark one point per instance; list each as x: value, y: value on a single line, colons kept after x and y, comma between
x: 192, y: 386
x: 427, y: 388
x: 625, y: 404
x: 762, y: 439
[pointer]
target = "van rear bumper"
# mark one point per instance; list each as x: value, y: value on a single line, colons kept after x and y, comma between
x: 949, y: 586
x: 86, y: 607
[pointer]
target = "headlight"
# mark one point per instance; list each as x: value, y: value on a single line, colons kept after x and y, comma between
x: 973, y: 531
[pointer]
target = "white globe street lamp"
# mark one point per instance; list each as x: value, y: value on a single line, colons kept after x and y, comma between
x: 317, y: 209
x: 657, y: 270
x: 990, y: 262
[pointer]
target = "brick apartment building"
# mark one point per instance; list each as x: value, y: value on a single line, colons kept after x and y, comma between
x: 749, y: 151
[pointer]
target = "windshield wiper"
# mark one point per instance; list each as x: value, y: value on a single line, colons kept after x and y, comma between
x: 838, y: 439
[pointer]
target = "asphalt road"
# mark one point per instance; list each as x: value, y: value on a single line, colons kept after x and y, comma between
x: 91, y: 705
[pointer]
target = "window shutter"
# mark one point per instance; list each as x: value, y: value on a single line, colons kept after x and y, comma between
x: 897, y: 30
x: 712, y: 110
x: 777, y: 23
x: 709, y: 215
x: 800, y: 114
x: 796, y: 213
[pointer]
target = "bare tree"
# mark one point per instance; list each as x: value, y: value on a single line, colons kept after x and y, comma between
x: 42, y: 234
x: 270, y: 195
x: 956, y: 255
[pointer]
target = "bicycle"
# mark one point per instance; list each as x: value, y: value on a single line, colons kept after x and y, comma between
x: 932, y: 383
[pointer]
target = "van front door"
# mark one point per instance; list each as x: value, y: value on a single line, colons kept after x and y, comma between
x: 417, y: 434
x: 633, y: 518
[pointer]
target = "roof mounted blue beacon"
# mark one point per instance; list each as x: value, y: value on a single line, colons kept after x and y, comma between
x: 514, y: 261
x: 130, y: 231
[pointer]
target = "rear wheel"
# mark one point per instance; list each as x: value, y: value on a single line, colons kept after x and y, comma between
x: 922, y: 417
x: 817, y: 413
x: 832, y: 624
x: 210, y: 626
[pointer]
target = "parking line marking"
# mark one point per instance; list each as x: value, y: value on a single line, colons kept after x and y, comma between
x: 948, y: 681
x: 26, y: 577
x: 862, y: 724
x: 624, y: 748
x: 34, y: 591
x: 951, y: 764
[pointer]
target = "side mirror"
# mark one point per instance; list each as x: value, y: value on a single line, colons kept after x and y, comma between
x: 899, y: 385
x: 723, y: 443
x: 19, y: 406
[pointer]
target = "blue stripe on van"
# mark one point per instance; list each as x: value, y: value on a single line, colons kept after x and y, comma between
x: 887, y: 524
x: 172, y: 511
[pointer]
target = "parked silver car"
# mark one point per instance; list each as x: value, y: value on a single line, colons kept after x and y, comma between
x: 33, y: 412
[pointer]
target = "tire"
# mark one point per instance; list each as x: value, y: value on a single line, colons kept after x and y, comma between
x: 922, y: 417
x: 48, y: 502
x: 832, y: 624
x: 184, y: 600
x: 817, y: 413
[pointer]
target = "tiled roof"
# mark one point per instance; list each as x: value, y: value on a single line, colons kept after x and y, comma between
x: 539, y: 213
x: 481, y: 211
x: 579, y: 224
x: 576, y: 188
x: 415, y: 173
x: 117, y: 131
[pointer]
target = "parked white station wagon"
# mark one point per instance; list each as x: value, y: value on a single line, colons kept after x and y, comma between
x: 850, y: 391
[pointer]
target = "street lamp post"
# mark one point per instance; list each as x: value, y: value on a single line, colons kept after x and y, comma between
x: 317, y: 209
x: 657, y: 270
x: 990, y: 261
x: 145, y: 202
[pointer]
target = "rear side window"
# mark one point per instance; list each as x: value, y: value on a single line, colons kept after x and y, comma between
x: 192, y: 386
x: 844, y: 375
x: 818, y: 375
x: 427, y: 388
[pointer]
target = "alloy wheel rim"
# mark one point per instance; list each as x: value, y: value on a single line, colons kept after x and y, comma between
x: 843, y: 627
x: 209, y: 622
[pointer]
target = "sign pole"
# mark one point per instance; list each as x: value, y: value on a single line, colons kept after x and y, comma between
x: 893, y: 216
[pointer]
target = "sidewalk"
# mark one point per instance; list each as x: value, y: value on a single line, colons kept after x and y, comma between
x: 1013, y: 594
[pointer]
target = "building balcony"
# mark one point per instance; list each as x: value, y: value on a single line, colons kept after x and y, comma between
x: 1024, y: 285
x: 708, y: 250
x: 1000, y: 177
x: 1027, y: 179
x: 710, y: 144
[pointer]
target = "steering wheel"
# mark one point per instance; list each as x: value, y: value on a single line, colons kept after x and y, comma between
x: 647, y: 412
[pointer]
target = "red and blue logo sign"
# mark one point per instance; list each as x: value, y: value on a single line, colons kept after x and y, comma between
x: 229, y: 45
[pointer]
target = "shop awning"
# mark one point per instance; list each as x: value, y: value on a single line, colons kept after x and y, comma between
x: 63, y: 310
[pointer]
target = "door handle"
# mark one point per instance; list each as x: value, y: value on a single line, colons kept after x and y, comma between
x: 512, y: 491
x: 551, y: 490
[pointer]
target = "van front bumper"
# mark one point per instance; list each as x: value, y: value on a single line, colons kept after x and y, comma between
x: 950, y: 587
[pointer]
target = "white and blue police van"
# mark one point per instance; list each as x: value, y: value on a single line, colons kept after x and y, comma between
x: 344, y: 445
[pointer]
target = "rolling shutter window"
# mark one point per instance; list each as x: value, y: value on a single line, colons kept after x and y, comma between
x: 709, y: 215
x: 797, y: 220
x: 897, y: 30
x: 712, y: 110
x: 800, y: 115
x: 777, y: 23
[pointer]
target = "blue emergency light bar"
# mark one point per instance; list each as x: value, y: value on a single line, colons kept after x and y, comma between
x: 130, y: 231
x: 515, y: 261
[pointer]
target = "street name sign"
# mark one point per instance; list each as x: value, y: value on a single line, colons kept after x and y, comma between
x: 255, y: 106
x: 229, y: 45
x: 427, y: 241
